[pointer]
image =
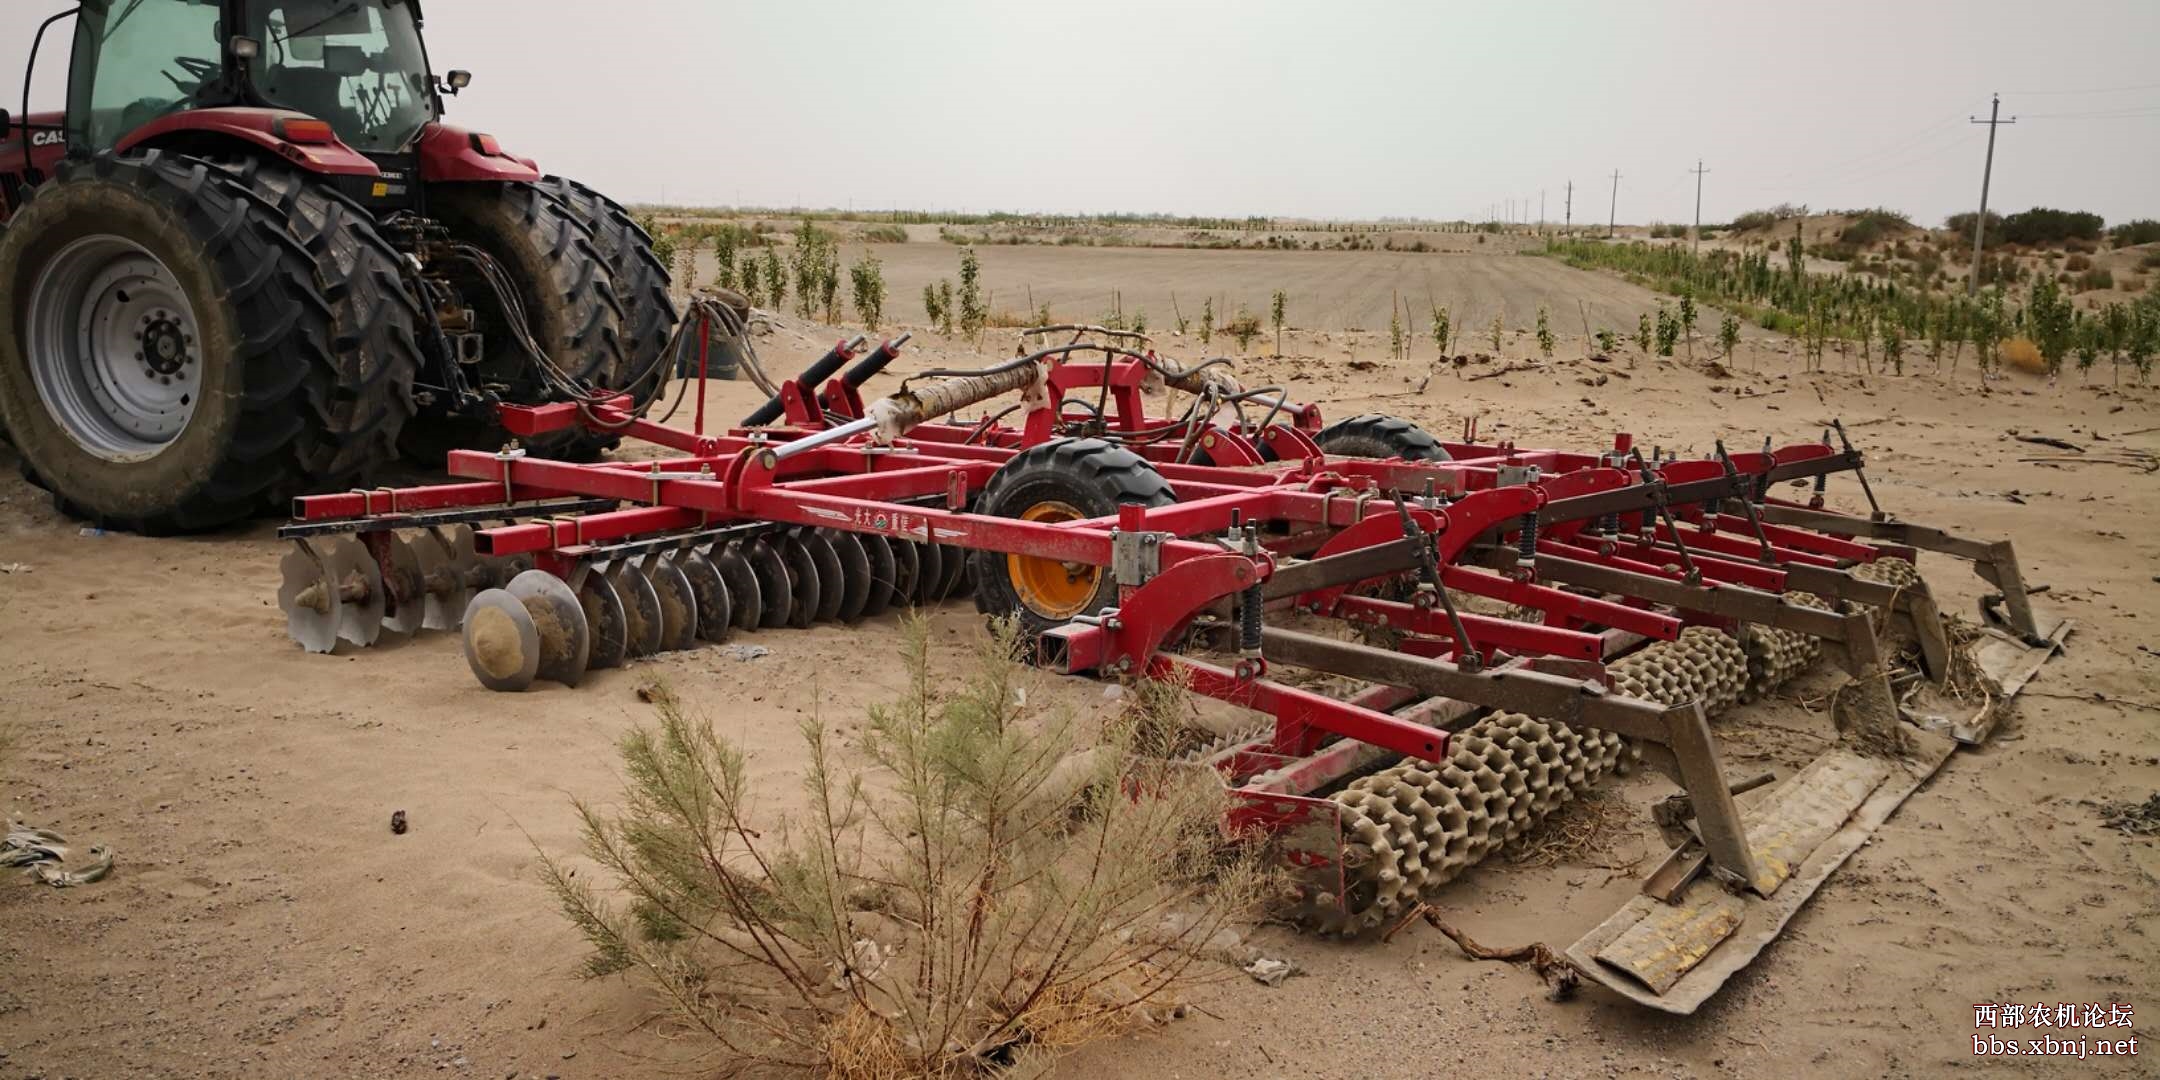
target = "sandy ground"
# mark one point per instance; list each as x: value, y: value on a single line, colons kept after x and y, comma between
x: 264, y: 922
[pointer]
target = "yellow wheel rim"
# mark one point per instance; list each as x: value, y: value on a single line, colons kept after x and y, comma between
x: 1052, y: 588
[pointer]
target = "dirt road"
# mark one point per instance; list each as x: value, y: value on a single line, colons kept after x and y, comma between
x: 264, y: 922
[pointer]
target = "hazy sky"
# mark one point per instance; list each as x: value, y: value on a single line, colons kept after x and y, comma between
x: 1340, y: 109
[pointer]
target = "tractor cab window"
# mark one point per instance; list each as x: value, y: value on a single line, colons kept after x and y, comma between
x: 357, y: 64
x: 136, y: 60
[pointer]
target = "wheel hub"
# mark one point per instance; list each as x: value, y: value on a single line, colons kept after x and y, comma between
x: 1052, y: 588
x: 113, y: 347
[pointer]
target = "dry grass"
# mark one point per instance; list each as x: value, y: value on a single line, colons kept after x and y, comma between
x: 1585, y: 832
x: 2022, y: 354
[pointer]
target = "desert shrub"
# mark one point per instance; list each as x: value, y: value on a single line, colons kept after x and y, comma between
x: 1668, y: 331
x: 1442, y: 329
x: 884, y: 234
x: 2099, y: 277
x: 1868, y: 226
x: 932, y: 307
x: 1642, y: 333
x: 1607, y: 342
x: 2151, y: 261
x: 1762, y: 219
x: 775, y: 279
x: 1962, y: 225
x: 2076, y: 263
x: 1245, y: 327
x: 1278, y: 312
x: 971, y: 311
x: 991, y: 891
x: 1544, y: 332
x: 1728, y: 335
x: 2141, y: 231
x: 1207, y: 320
x: 2041, y: 225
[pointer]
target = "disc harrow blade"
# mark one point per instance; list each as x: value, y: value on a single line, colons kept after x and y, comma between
x: 930, y: 572
x: 641, y: 608
x: 606, y: 623
x: 854, y: 574
x: 405, y: 587
x: 559, y: 619
x: 744, y: 591
x: 956, y: 561
x: 882, y: 568
x: 776, y: 581
x: 802, y: 571
x: 502, y: 645
x: 832, y: 584
x: 678, y: 604
x: 360, y: 585
x: 443, y: 579
x: 715, y: 611
x: 310, y: 603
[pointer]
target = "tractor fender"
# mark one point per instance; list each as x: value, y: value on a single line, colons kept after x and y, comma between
x: 456, y: 154
x: 187, y: 131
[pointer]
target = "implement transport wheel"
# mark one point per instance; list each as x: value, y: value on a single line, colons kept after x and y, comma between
x: 560, y: 278
x: 178, y: 351
x: 1069, y: 480
x: 1376, y: 436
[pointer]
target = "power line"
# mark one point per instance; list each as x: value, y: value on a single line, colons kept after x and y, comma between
x: 2095, y: 90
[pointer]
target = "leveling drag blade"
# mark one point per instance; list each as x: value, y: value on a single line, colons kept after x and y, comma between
x: 310, y: 603
x: 501, y: 643
x: 641, y: 608
x: 406, y: 587
x: 678, y: 605
x: 1673, y: 957
x: 714, y: 610
x: 745, y: 594
x: 605, y: 621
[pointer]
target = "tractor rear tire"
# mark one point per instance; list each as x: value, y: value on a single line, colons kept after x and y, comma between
x: 173, y: 358
x: 641, y: 284
x: 1376, y: 436
x: 562, y: 281
x: 1059, y: 481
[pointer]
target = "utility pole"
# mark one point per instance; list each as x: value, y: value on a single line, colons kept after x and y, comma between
x: 1614, y: 219
x: 1698, y: 170
x: 1570, y: 226
x: 1987, y: 172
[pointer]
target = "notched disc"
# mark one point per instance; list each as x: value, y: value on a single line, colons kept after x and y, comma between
x: 744, y: 591
x: 605, y: 622
x: 501, y: 643
x: 678, y: 605
x: 714, y: 607
x: 565, y: 640
x: 854, y: 574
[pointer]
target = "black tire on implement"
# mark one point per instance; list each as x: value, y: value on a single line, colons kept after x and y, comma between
x: 641, y: 285
x: 1377, y: 436
x: 284, y: 407
x: 569, y: 300
x: 1092, y: 478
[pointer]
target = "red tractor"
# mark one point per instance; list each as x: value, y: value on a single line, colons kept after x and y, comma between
x: 250, y: 260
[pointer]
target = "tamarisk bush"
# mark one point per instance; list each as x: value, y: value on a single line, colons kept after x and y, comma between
x: 990, y: 891
x: 1544, y: 332
x: 867, y: 277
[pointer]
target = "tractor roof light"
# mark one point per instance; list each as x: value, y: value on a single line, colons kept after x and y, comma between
x: 459, y: 80
x: 243, y: 47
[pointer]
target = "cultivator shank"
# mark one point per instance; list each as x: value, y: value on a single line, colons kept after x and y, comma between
x: 1549, y: 617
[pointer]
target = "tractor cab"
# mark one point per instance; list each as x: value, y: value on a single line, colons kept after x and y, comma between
x: 356, y: 65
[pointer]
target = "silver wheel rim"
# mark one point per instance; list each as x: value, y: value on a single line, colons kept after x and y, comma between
x: 114, y: 348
